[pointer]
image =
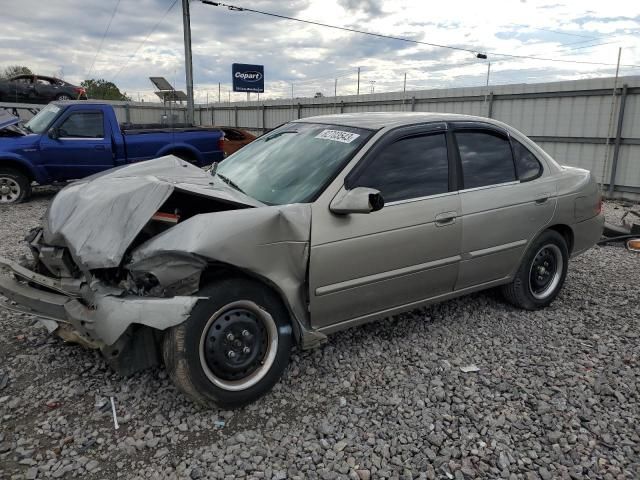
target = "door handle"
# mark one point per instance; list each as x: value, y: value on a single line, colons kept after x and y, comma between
x: 543, y: 198
x: 99, y: 147
x: 446, y: 218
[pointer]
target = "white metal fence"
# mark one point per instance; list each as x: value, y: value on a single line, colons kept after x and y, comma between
x: 571, y: 120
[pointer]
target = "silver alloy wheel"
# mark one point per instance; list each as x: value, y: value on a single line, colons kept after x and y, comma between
x: 265, y: 363
x: 64, y: 97
x: 10, y: 190
x: 545, y: 271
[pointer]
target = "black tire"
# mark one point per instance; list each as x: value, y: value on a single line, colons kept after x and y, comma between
x: 541, y: 274
x: 64, y: 96
x: 15, y: 187
x: 196, y: 352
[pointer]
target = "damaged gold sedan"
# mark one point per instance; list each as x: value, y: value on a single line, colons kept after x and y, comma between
x: 319, y: 225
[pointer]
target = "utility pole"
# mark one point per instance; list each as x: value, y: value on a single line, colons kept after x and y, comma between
x: 218, y: 92
x: 486, y: 93
x: 358, y: 90
x: 335, y: 88
x: 404, y: 90
x: 292, y: 101
x: 186, y: 25
x: 610, y: 126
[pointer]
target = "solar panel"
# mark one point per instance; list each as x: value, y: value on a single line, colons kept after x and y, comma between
x: 161, y: 83
x: 172, y: 96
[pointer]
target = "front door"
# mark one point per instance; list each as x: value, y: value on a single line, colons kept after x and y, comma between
x: 81, y: 149
x: 365, y: 264
x: 506, y: 200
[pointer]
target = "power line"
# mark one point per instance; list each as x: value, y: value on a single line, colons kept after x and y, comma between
x: 106, y: 30
x: 353, y: 30
x: 146, y: 38
x: 556, y: 31
x: 407, y: 40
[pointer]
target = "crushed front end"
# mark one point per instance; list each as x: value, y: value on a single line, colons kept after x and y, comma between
x: 82, y: 282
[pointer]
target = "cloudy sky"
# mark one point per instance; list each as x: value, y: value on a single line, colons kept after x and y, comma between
x: 144, y: 39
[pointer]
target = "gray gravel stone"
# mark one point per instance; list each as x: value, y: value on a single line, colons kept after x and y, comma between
x: 556, y: 396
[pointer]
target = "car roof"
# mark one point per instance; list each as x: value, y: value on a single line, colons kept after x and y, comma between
x: 378, y: 120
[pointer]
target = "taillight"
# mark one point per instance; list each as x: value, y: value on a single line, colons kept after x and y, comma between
x: 80, y: 91
x: 221, y: 143
x: 599, y: 205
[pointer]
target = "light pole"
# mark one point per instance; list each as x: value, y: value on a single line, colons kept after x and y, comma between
x: 188, y: 64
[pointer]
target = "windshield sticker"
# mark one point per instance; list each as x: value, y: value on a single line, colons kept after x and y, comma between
x: 337, y: 136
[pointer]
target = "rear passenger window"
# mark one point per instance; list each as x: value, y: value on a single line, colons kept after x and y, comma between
x: 527, y: 165
x: 409, y: 168
x: 486, y: 158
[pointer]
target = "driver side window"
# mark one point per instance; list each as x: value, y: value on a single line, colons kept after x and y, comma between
x: 83, y: 125
x: 410, y: 167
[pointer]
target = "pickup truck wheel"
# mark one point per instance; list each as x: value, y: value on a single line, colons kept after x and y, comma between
x: 14, y: 186
x: 233, y: 347
x: 541, y: 274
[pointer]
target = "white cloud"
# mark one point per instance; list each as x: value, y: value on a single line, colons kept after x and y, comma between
x: 47, y: 38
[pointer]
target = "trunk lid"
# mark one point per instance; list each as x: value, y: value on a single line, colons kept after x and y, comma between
x: 7, y: 119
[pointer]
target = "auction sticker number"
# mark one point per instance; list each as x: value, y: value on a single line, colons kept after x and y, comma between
x: 337, y: 136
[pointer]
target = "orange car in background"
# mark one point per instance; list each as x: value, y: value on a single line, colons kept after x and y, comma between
x: 235, y: 139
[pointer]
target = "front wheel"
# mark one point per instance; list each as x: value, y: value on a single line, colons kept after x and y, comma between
x: 14, y: 186
x: 233, y: 347
x: 541, y: 275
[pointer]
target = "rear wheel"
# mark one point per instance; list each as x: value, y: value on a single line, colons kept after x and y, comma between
x: 63, y: 96
x: 233, y: 347
x: 14, y: 186
x: 541, y: 274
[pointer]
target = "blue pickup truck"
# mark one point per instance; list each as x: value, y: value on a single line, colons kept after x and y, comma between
x: 69, y: 140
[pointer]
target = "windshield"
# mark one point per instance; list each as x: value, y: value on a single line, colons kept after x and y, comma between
x: 40, y: 123
x: 292, y: 163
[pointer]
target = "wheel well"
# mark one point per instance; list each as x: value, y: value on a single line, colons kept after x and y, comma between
x: 224, y: 271
x: 17, y: 166
x: 567, y: 233
x: 183, y: 153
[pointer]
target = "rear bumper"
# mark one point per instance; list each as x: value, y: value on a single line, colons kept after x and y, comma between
x: 99, y: 318
x: 587, y: 233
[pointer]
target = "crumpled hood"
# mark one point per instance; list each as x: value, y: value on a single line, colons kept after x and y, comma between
x: 98, y: 217
x: 6, y: 119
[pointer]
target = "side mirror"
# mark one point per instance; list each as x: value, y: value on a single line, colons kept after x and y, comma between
x: 53, y: 133
x: 357, y: 200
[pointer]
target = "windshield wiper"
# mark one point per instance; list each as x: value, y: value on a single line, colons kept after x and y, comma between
x: 230, y: 182
x: 276, y: 135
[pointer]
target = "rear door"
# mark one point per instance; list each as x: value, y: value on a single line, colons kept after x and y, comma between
x: 83, y: 147
x: 503, y: 207
x: 46, y: 89
x: 365, y: 264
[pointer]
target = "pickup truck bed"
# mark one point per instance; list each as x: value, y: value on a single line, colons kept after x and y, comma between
x: 73, y: 139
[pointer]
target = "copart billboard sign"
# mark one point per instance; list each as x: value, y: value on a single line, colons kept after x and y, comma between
x: 248, y: 78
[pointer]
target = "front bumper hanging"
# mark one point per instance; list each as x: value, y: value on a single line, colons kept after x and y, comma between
x: 98, y: 318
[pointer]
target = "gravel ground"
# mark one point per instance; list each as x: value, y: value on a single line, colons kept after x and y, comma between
x: 556, y: 395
